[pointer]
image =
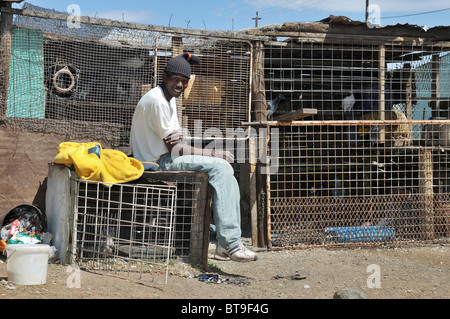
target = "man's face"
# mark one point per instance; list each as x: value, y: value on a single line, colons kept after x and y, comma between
x: 175, y: 84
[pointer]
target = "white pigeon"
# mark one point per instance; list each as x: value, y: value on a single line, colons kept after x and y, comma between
x: 272, y: 106
x: 348, y: 102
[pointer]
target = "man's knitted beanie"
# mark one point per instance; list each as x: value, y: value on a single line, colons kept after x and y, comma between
x: 181, y: 64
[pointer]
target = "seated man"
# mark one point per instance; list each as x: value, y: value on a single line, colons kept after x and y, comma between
x: 155, y: 137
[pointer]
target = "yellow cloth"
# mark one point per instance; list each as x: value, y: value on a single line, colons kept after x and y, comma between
x: 111, y: 167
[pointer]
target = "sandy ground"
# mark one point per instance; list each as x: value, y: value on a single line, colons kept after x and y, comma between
x: 407, y: 272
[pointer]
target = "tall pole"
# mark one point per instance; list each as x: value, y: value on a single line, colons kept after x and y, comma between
x: 5, y: 54
x: 367, y: 10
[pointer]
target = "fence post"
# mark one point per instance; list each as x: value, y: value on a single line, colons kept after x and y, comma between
x: 5, y: 54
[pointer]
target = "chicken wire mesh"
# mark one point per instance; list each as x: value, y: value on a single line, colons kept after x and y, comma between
x: 86, y: 80
x: 81, y: 82
x: 326, y: 190
x: 371, y: 165
x: 124, y: 228
x: 341, y: 78
x: 218, y: 95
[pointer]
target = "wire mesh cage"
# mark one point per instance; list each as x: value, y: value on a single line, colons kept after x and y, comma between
x: 124, y: 228
x: 325, y: 190
x: 342, y: 78
x: 370, y: 165
x: 191, y: 216
x: 88, y: 79
x: 218, y: 95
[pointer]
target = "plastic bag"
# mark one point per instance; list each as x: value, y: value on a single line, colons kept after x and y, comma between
x: 19, y: 238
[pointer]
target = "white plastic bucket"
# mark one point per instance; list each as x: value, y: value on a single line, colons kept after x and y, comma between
x: 27, y: 264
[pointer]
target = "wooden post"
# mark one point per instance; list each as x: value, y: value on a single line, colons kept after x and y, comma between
x: 435, y: 87
x: 177, y: 49
x: 408, y: 89
x: 252, y: 190
x: 259, y: 106
x: 259, y: 110
x: 267, y: 223
x: 5, y: 54
x: 381, y: 92
x: 426, y: 188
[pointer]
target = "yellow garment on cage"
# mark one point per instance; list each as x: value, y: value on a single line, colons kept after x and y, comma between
x: 91, y: 162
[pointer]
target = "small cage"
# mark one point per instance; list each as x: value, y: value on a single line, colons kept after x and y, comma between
x: 124, y: 228
x: 193, y: 212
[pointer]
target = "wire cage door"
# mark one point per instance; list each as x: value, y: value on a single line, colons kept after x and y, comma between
x: 124, y: 227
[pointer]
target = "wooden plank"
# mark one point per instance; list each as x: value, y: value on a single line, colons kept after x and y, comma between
x: 5, y: 53
x: 206, y: 229
x: 253, y: 192
x: 259, y: 109
x: 426, y: 188
x: 259, y: 104
x: 381, y: 93
x: 435, y: 86
x: 296, y: 115
x: 408, y: 74
x: 139, y: 26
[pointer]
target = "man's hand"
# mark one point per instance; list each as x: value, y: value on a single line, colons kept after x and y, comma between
x: 173, y: 138
x: 176, y: 138
x: 226, y: 155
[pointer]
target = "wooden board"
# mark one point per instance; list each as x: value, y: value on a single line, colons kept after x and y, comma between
x: 296, y: 115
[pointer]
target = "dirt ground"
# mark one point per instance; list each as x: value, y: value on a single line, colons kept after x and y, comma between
x: 406, y: 272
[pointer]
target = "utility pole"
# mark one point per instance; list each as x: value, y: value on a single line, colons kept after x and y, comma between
x: 256, y: 19
x: 367, y: 10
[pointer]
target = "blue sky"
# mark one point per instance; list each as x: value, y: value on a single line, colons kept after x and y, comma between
x: 238, y: 14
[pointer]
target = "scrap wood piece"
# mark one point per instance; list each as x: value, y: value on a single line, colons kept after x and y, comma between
x: 296, y: 115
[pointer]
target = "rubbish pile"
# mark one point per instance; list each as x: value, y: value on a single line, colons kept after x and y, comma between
x: 24, y: 224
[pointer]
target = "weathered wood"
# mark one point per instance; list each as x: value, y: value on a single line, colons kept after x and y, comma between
x: 5, y: 54
x: 381, y: 91
x: 408, y: 74
x: 252, y: 190
x: 259, y: 104
x: 259, y: 109
x: 138, y: 26
x: 435, y: 85
x: 426, y: 188
x: 206, y: 228
x: 296, y: 115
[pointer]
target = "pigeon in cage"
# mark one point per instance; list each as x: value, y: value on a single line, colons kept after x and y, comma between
x: 373, y: 135
x: 348, y: 102
x: 272, y: 106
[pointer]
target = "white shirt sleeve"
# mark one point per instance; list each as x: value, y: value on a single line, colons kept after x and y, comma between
x: 160, y: 119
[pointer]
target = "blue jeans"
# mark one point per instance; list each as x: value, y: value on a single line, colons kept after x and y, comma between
x: 226, y: 195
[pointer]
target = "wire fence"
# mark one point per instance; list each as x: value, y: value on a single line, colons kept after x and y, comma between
x: 86, y: 80
x: 326, y: 189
